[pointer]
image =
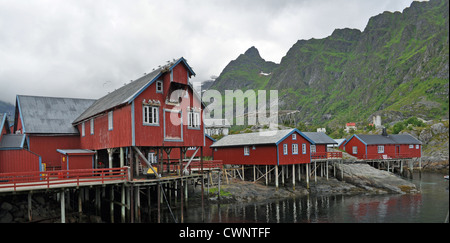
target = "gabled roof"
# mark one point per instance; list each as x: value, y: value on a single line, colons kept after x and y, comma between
x: 12, y: 141
x: 126, y: 94
x: 257, y: 138
x: 4, y: 123
x: 390, y: 139
x: 50, y: 115
x: 320, y: 138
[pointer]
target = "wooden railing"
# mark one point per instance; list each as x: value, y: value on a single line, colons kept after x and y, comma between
x: 385, y: 156
x: 47, y: 179
x: 326, y: 155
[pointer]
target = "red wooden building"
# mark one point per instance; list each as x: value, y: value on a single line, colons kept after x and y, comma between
x: 383, y: 146
x: 319, y: 150
x: 14, y: 155
x: 47, y: 124
x: 279, y: 147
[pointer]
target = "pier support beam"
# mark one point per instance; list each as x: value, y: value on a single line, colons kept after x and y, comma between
x: 307, y: 176
x: 63, y: 206
x: 276, y: 176
x: 293, y: 176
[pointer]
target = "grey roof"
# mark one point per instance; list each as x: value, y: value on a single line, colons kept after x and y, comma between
x: 75, y: 151
x: 128, y: 92
x: 4, y: 122
x: 50, y: 115
x: 10, y: 141
x: 319, y: 138
x: 256, y: 138
x: 390, y: 139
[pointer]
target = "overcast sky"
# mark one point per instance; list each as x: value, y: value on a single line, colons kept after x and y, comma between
x: 86, y: 48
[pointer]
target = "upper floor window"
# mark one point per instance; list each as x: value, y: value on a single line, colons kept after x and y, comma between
x: 294, y: 136
x: 285, y: 149
x: 193, y: 119
x: 246, y: 150
x: 313, y: 148
x: 159, y: 86
x: 355, y: 150
x: 110, y: 120
x: 92, y: 126
x: 380, y: 149
x: 151, y: 115
x: 295, y: 148
x: 82, y: 129
x: 304, y: 148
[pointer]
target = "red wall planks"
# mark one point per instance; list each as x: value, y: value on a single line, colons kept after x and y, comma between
x: 18, y: 161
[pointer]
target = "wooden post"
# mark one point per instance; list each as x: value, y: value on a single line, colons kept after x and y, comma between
x: 267, y: 181
x: 122, y: 200
x: 315, y: 171
x: 122, y: 158
x: 293, y: 176
x: 63, y: 206
x: 307, y: 176
x: 138, y: 204
x: 299, y: 168
x: 282, y: 175
x: 326, y: 169
x: 276, y: 176
x: 254, y: 172
x: 30, y: 210
x: 111, y: 204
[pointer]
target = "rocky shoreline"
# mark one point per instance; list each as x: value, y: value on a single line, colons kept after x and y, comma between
x: 357, y: 179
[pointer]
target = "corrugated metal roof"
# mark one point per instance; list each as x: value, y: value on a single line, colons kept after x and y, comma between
x: 390, y: 139
x: 75, y: 151
x: 12, y: 141
x: 319, y: 138
x: 256, y: 138
x: 128, y: 92
x: 50, y: 115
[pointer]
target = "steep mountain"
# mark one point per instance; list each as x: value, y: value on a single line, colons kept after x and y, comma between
x: 248, y: 71
x: 397, y: 67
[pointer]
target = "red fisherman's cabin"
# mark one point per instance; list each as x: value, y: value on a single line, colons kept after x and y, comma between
x: 383, y: 146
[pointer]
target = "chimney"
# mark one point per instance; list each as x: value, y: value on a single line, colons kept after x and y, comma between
x: 384, y: 133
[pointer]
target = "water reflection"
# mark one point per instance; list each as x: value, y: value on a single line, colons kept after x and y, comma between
x: 429, y: 206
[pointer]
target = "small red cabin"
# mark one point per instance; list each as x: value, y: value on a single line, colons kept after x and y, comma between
x: 383, y: 146
x: 73, y: 159
x: 278, y: 147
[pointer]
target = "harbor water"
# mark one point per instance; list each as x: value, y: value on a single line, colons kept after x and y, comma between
x: 429, y: 206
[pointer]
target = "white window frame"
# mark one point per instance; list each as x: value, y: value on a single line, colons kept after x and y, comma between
x: 92, y: 126
x: 83, y: 127
x: 110, y: 121
x: 355, y: 150
x: 411, y: 146
x: 294, y: 136
x: 295, y: 148
x: 159, y: 86
x: 246, y: 150
x: 380, y: 149
x: 194, y: 120
x: 285, y: 149
x: 417, y: 146
x: 303, y: 148
x: 150, y: 115
x: 313, y: 148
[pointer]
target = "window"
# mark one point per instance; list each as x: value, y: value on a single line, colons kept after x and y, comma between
x: 246, y: 150
x: 417, y: 146
x: 285, y: 149
x: 295, y: 148
x: 159, y: 86
x: 151, y: 115
x: 193, y: 119
x: 313, y: 148
x: 82, y: 129
x: 304, y: 148
x: 110, y: 120
x: 411, y: 146
x: 92, y: 126
x: 294, y: 136
x: 355, y: 150
x: 380, y: 149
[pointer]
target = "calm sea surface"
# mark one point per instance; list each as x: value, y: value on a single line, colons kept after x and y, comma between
x: 429, y: 206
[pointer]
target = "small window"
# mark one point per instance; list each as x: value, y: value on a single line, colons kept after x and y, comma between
x: 285, y: 149
x: 246, y: 150
x: 159, y: 86
x: 380, y: 149
x: 313, y: 148
x: 295, y: 148
x: 82, y: 129
x: 411, y: 146
x: 110, y: 120
x: 355, y: 150
x: 92, y: 126
x: 294, y: 136
x: 304, y: 148
x: 151, y: 115
x: 193, y: 119
x: 417, y: 146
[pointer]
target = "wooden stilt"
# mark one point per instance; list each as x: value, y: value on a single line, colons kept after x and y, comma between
x: 276, y: 176
x: 282, y: 175
x: 63, y: 206
x: 307, y: 176
x: 111, y: 204
x: 122, y: 200
x: 30, y: 210
x: 293, y: 177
